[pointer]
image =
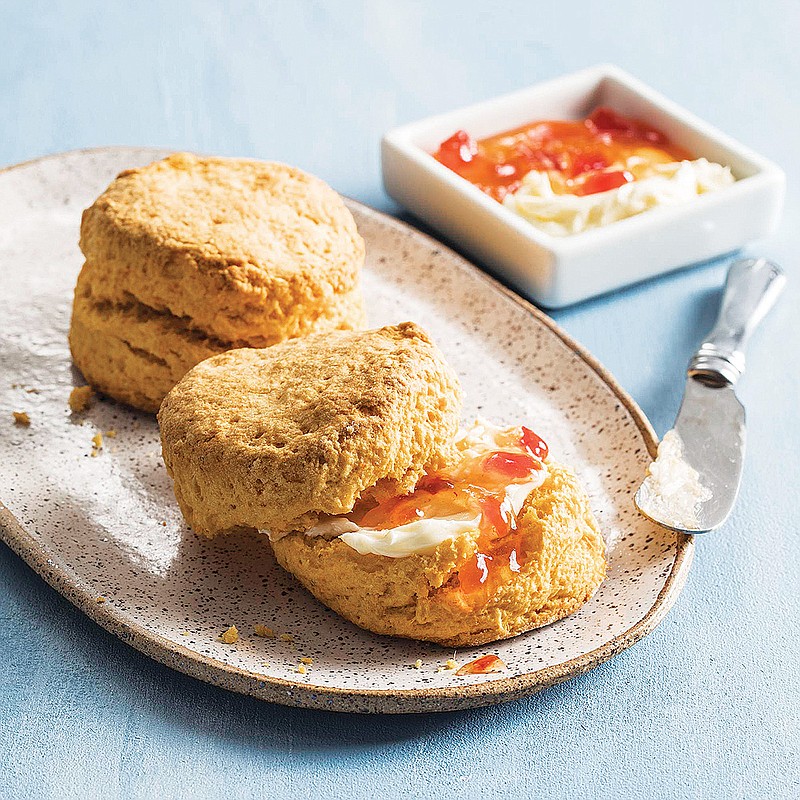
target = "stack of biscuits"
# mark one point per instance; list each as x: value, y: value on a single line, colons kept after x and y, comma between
x: 190, y: 256
x: 225, y: 294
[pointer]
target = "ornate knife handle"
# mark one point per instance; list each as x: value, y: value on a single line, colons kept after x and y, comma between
x: 751, y: 289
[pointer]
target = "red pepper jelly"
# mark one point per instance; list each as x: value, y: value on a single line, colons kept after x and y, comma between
x: 483, y: 484
x: 482, y: 666
x: 582, y: 157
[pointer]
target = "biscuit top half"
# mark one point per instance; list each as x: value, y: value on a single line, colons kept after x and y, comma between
x: 274, y: 438
x: 229, y: 243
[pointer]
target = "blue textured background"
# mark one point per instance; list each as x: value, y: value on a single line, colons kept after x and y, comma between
x: 706, y: 707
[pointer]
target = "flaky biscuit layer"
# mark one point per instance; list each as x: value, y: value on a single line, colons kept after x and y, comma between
x: 136, y: 354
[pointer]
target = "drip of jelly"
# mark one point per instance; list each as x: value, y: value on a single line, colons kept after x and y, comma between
x: 476, y: 485
x: 482, y: 666
x: 583, y: 157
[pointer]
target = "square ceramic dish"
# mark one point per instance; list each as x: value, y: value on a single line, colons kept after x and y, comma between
x: 557, y: 271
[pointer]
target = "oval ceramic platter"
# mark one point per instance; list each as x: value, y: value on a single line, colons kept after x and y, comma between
x: 103, y: 528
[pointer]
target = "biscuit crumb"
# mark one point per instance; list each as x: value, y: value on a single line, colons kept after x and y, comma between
x: 99, y: 599
x: 301, y: 668
x: 184, y: 633
x: 80, y: 398
x: 418, y: 664
x: 263, y: 631
x: 265, y: 663
x: 307, y: 660
x: 231, y: 636
x: 450, y: 664
x: 21, y: 418
x: 111, y: 434
x: 97, y: 443
x: 286, y: 637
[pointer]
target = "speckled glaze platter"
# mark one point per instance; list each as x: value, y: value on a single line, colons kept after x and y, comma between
x: 105, y: 531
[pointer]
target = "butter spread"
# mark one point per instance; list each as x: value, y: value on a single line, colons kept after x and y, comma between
x: 656, y: 185
x: 420, y: 536
x: 672, y: 491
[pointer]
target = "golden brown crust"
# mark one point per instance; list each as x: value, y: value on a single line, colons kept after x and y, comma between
x: 189, y: 257
x: 272, y: 438
x: 418, y: 596
x: 248, y: 250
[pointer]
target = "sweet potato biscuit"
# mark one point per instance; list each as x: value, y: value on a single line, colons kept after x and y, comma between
x: 190, y: 256
x: 245, y: 249
x: 273, y: 438
x: 419, y: 596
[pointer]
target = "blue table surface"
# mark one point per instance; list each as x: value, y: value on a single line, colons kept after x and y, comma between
x: 707, y: 706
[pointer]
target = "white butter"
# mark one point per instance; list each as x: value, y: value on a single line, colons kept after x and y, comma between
x: 516, y: 495
x: 672, y: 490
x: 330, y: 529
x: 657, y: 185
x: 480, y: 438
x: 420, y: 536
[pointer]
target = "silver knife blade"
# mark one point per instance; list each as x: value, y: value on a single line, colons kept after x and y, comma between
x: 693, y: 483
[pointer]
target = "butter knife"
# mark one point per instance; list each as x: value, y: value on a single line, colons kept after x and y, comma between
x: 693, y: 483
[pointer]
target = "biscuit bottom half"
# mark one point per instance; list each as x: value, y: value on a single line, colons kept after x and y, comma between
x: 136, y: 354
x: 422, y: 596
